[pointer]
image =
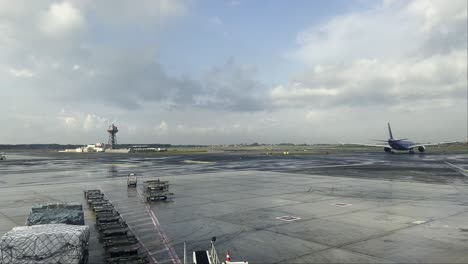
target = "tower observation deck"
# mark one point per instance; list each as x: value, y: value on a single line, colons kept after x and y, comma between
x: 112, y: 135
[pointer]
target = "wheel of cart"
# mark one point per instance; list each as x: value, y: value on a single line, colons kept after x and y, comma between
x: 122, y: 253
x: 157, y: 197
x: 91, y: 193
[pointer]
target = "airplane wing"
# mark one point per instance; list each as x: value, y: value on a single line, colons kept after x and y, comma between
x: 430, y: 144
x: 368, y: 145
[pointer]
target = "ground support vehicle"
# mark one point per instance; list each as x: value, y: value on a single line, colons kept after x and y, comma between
x: 132, y: 180
x: 156, y: 190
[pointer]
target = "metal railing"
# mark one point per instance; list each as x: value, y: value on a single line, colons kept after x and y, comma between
x: 214, y: 254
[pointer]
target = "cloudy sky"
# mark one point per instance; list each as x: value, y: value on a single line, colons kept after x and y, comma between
x: 234, y: 71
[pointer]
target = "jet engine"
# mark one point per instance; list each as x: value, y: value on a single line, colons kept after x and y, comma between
x: 421, y: 148
x: 388, y: 150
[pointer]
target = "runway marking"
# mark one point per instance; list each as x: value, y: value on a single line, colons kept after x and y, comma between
x: 198, y: 162
x: 134, y: 213
x: 152, y: 259
x: 157, y: 226
x: 341, y: 204
x: 146, y: 231
x: 123, y: 202
x: 144, y: 224
x: 138, y: 220
x: 167, y: 260
x: 459, y: 169
x: 158, y: 251
x: 288, y: 218
x: 418, y: 222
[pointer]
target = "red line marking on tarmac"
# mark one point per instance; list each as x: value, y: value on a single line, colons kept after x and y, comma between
x: 170, y: 249
x: 152, y: 259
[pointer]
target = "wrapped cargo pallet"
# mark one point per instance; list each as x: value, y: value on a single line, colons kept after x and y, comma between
x: 56, y: 213
x: 40, y: 244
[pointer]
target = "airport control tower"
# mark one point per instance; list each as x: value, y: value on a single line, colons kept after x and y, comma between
x: 112, y: 135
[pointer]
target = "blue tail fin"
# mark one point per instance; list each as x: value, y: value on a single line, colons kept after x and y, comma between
x: 390, y: 131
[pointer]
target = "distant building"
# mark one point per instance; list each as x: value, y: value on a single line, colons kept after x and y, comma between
x: 98, y: 147
x: 144, y: 148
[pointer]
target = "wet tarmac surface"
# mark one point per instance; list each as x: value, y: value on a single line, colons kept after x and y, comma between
x: 345, y: 208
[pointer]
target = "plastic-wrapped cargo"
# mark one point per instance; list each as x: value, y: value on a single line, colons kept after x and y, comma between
x: 56, y: 213
x: 69, y: 205
x: 40, y: 244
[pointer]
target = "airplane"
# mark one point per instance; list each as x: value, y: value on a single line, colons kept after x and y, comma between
x: 402, y: 144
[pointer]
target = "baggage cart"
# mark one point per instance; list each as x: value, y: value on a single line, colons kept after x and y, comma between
x: 156, y: 190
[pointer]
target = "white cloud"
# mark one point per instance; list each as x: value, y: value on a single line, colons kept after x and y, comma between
x: 123, y: 12
x: 21, y: 73
x: 401, y: 61
x: 92, y: 121
x: 371, y: 82
x: 404, y: 61
x: 70, y: 122
x: 171, y: 8
x: 382, y: 56
x: 364, y: 35
x: 62, y: 18
x: 299, y: 92
x: 162, y: 128
x: 313, y: 116
x: 14, y: 8
x: 392, y: 31
x: 84, y: 122
x: 436, y: 13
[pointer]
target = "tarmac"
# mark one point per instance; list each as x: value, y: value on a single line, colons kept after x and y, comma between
x: 340, y: 208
